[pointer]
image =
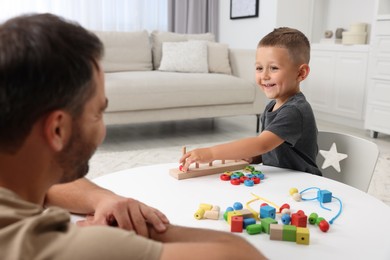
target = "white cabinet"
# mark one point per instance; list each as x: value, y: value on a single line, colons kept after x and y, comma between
x: 378, y: 101
x: 336, y: 84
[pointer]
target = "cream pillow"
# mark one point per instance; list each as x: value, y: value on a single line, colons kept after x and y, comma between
x: 189, y: 56
x: 218, y: 58
x: 159, y: 37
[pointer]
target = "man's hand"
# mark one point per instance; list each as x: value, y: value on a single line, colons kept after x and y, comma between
x: 103, y: 207
x: 126, y: 213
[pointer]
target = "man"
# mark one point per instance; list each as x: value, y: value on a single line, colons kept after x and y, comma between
x: 52, y: 101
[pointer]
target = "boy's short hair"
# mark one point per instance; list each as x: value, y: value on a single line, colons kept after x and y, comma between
x: 293, y: 40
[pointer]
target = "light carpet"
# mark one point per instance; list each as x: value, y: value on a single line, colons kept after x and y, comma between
x: 108, y: 162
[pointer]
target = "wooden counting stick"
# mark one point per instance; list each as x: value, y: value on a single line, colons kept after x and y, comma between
x: 183, y: 151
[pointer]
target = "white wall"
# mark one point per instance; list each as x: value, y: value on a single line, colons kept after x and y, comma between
x: 246, y: 33
x: 312, y: 17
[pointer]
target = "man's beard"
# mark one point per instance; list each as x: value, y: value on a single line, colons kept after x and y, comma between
x: 74, y: 159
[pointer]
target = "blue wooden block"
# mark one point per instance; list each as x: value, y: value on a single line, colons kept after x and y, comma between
x: 249, y: 221
x: 324, y: 196
x: 267, y: 212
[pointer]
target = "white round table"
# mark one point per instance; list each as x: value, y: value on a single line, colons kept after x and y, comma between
x: 360, y: 232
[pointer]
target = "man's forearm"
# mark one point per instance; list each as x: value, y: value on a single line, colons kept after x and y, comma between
x: 229, y: 242
x: 78, y: 196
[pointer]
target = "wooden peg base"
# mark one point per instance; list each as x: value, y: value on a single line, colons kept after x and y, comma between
x: 203, y: 170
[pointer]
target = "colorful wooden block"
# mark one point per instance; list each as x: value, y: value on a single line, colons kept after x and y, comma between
x: 265, y: 224
x: 313, y: 218
x: 236, y: 224
x: 231, y: 214
x: 303, y: 236
x: 199, y: 213
x: 286, y: 219
x: 249, y: 221
x: 267, y: 212
x: 254, y: 229
x: 299, y: 219
x: 211, y: 214
x: 324, y: 196
x: 205, y: 206
x: 276, y: 232
x: 289, y: 233
x: 246, y: 213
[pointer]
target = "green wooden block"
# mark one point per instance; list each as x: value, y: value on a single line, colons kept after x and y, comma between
x: 225, y: 216
x: 289, y: 233
x: 254, y: 229
x: 265, y: 224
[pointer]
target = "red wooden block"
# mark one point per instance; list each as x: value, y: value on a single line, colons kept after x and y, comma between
x: 299, y: 219
x: 237, y: 224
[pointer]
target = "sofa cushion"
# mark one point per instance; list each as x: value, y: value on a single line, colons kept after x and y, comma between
x: 157, y: 90
x: 158, y: 37
x: 188, y: 56
x: 126, y: 51
x: 218, y: 58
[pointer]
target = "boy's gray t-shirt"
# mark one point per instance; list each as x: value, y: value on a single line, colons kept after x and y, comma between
x: 294, y: 122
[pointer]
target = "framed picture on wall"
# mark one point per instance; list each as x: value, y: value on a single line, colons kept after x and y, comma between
x: 240, y: 9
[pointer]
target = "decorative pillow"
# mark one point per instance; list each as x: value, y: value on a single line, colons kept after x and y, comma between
x: 218, y: 58
x: 157, y: 39
x: 189, y: 56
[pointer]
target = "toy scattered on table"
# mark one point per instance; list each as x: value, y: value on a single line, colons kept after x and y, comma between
x: 207, y: 211
x: 249, y: 179
x: 323, y: 196
x: 268, y: 224
x: 293, y: 226
x: 207, y: 169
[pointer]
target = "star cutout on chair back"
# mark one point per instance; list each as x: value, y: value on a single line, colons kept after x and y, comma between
x: 332, y: 158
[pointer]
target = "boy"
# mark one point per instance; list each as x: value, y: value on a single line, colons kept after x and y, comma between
x: 288, y: 137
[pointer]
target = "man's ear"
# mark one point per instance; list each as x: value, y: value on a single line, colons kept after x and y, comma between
x: 304, y: 70
x: 57, y: 129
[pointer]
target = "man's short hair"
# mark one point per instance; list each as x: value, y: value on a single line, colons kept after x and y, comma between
x: 296, y: 43
x: 46, y: 63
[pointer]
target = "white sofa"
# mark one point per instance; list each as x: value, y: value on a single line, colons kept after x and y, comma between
x: 158, y: 77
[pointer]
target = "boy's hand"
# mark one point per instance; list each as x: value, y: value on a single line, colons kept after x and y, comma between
x: 201, y: 155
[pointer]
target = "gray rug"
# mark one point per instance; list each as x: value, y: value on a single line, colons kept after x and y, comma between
x: 108, y: 162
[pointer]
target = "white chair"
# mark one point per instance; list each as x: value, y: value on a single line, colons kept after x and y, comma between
x: 357, y: 169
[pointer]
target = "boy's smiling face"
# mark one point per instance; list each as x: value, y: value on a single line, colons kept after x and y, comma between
x: 277, y: 75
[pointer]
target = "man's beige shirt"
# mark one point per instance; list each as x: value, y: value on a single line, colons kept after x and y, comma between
x: 27, y: 231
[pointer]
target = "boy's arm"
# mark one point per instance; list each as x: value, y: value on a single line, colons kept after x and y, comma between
x: 193, y: 243
x: 105, y: 207
x: 236, y: 150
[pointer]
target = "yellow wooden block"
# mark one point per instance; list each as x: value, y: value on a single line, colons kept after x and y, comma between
x: 205, y: 206
x: 232, y: 214
x: 303, y: 236
x: 199, y: 213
